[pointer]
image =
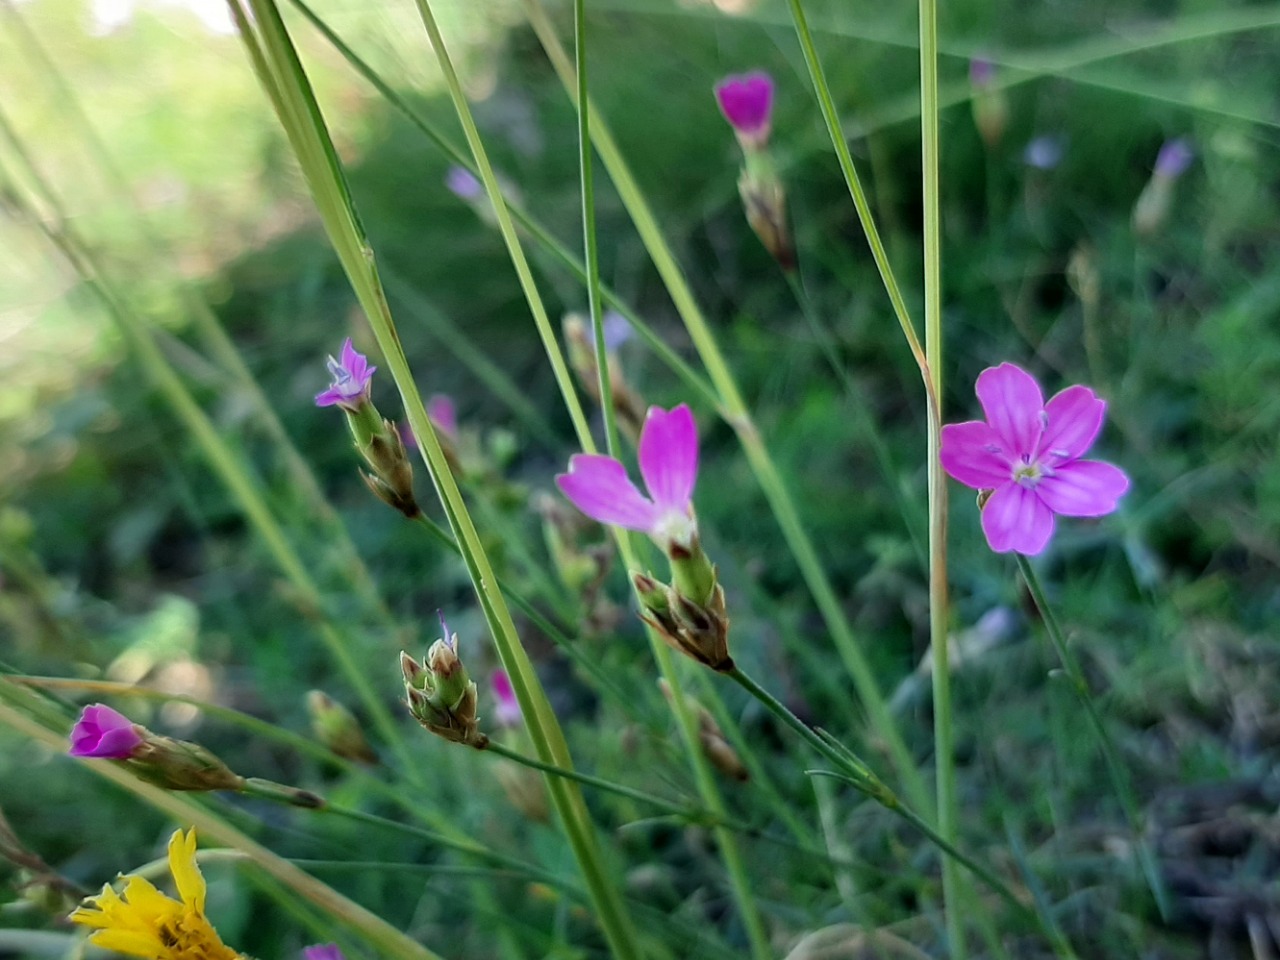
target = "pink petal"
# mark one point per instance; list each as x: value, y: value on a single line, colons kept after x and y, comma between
x: 1013, y: 403
x: 669, y: 457
x: 600, y: 488
x: 1074, y: 418
x: 973, y: 454
x: 330, y: 397
x: 1084, y: 488
x: 1015, y: 518
x: 443, y: 413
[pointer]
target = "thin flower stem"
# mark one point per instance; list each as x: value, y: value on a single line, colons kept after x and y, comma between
x: 591, y: 249
x: 859, y: 410
x: 854, y: 771
x: 739, y: 418
x: 1115, y: 769
x: 830, y: 115
x: 670, y: 806
x: 954, y: 890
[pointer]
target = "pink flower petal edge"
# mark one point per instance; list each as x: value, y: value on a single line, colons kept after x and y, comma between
x: 669, y: 456
x: 322, y: 951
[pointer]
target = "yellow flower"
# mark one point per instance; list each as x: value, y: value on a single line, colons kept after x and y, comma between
x: 146, y: 923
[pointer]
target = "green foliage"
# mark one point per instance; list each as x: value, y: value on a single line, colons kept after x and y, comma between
x: 125, y: 559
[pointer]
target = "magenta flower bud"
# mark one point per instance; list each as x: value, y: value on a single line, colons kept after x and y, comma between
x: 462, y: 183
x: 103, y: 733
x: 351, y: 380
x: 1174, y: 158
x: 599, y: 487
x: 1028, y: 454
x: 507, y: 708
x: 444, y: 414
x: 325, y: 951
x: 746, y: 100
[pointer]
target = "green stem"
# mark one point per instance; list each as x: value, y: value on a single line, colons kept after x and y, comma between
x: 855, y: 772
x: 953, y: 887
x: 739, y: 418
x: 1115, y: 769
x: 831, y: 116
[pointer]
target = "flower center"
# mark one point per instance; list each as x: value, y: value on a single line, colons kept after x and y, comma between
x: 1028, y: 472
x: 675, y: 527
x: 342, y: 379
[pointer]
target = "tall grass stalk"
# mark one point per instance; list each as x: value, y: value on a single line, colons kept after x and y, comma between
x: 953, y: 886
x: 376, y: 931
x: 276, y: 62
x: 738, y: 416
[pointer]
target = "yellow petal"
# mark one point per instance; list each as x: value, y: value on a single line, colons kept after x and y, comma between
x: 185, y: 870
x: 130, y: 942
x: 148, y: 902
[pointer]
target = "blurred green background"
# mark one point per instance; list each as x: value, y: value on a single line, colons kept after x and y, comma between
x: 124, y: 558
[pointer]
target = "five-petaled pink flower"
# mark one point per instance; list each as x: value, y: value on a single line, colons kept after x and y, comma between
x: 599, y: 486
x: 1028, y: 452
x: 507, y: 708
x: 746, y: 100
x: 322, y: 951
x: 104, y: 733
x: 351, y: 380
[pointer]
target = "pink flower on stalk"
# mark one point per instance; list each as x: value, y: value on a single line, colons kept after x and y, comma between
x: 1028, y: 452
x: 599, y: 486
x: 746, y: 100
x: 322, y: 951
x: 102, y: 732
x: 444, y: 414
x: 507, y: 709
x: 351, y: 380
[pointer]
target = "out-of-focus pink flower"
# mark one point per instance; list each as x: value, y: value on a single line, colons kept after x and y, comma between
x: 104, y: 733
x: 599, y: 487
x: 982, y: 72
x: 1174, y: 158
x: 462, y: 183
x: 506, y: 709
x: 352, y: 377
x: 746, y: 100
x: 617, y: 331
x: 444, y: 414
x: 322, y: 951
x: 1028, y: 453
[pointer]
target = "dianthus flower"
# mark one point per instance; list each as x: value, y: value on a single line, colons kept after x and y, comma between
x: 322, y: 951
x: 668, y: 452
x: 104, y: 733
x: 146, y: 923
x: 352, y: 377
x: 746, y: 100
x: 1028, y: 454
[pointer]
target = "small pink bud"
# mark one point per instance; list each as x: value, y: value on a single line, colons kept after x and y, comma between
x: 746, y: 100
x: 102, y: 732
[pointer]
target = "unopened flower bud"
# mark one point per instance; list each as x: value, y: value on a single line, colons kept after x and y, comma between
x: 990, y: 108
x: 711, y: 738
x: 337, y: 728
x: 764, y: 200
x: 440, y: 694
x: 182, y: 765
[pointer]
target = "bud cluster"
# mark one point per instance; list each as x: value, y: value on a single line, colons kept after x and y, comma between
x: 440, y: 694
x: 689, y: 613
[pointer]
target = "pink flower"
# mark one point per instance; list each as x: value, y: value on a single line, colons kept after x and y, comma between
x: 1174, y: 158
x: 599, y: 486
x: 507, y: 710
x: 104, y: 733
x: 322, y: 951
x: 1028, y: 453
x: 444, y: 414
x: 351, y: 379
x: 982, y: 73
x: 746, y: 100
